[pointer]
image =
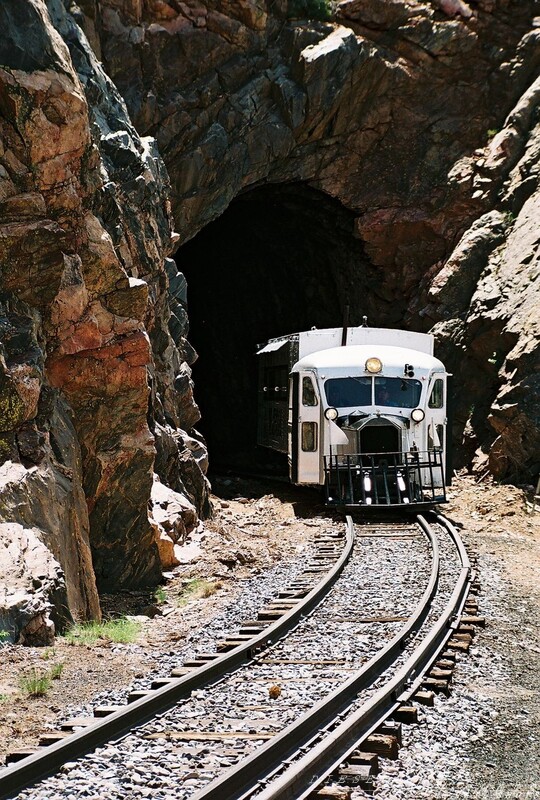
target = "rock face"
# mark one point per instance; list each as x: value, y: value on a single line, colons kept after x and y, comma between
x: 388, y: 109
x: 87, y: 363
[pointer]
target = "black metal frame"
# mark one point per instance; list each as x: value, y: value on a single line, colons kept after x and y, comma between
x: 384, y: 479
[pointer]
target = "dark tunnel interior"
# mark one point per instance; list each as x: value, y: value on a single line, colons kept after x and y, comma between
x: 282, y: 258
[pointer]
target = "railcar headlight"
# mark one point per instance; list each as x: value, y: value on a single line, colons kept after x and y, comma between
x: 417, y: 415
x: 331, y: 413
x: 373, y: 365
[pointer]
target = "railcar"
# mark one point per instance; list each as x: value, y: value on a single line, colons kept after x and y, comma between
x: 361, y: 412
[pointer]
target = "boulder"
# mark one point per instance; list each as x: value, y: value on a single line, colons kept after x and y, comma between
x: 32, y: 585
x: 173, y: 517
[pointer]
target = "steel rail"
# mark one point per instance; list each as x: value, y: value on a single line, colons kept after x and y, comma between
x: 238, y: 782
x: 324, y: 757
x: 49, y: 759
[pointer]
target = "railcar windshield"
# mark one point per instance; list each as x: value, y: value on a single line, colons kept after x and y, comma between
x: 397, y: 392
x: 360, y: 391
x: 345, y: 392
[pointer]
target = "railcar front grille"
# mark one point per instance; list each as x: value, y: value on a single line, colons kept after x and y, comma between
x: 385, y: 479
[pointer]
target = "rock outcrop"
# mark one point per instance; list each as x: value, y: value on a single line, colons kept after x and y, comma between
x: 87, y: 363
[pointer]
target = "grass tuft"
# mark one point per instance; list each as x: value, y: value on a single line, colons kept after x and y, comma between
x: 119, y: 631
x: 34, y: 683
x: 56, y: 670
x: 197, y: 589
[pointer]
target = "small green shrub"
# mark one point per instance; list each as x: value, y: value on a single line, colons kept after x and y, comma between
x: 309, y: 9
x: 160, y: 595
x: 4, y: 698
x: 34, y: 683
x: 492, y: 132
x: 119, y: 631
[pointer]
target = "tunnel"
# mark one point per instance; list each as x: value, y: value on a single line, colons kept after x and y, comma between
x: 282, y: 258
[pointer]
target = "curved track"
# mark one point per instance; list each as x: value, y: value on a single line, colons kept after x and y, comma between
x: 303, y: 754
x: 298, y: 760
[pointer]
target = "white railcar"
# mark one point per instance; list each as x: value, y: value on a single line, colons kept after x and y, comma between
x: 361, y: 412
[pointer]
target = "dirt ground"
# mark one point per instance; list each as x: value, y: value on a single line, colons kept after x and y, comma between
x: 250, y: 532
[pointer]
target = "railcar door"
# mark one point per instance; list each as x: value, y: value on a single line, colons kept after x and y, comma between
x: 436, y: 421
x: 306, y: 461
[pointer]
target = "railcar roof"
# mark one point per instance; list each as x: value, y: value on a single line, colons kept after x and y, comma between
x: 354, y: 357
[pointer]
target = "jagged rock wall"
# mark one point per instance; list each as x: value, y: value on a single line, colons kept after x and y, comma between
x: 88, y: 366
x: 386, y: 110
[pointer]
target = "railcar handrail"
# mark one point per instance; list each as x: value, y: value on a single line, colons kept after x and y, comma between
x: 384, y: 479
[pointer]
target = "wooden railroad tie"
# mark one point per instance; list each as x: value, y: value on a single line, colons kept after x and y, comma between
x: 18, y: 755
x: 425, y: 698
x: 406, y: 714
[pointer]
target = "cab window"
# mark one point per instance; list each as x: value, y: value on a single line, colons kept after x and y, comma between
x: 309, y: 398
x: 309, y: 437
x: 346, y: 392
x: 437, y: 394
x: 397, y: 392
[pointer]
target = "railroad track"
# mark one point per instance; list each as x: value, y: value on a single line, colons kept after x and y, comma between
x: 376, y: 660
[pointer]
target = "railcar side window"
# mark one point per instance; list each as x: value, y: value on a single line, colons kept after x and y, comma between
x: 437, y: 394
x: 346, y: 392
x: 309, y: 437
x: 397, y: 392
x: 309, y: 398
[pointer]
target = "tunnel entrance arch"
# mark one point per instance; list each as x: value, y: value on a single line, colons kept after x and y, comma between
x: 281, y: 258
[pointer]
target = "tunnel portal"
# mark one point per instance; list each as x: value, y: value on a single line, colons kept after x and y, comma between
x: 282, y: 258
